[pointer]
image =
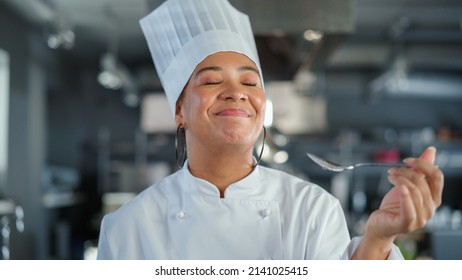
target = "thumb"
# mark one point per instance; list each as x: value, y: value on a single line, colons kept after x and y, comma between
x: 429, y: 154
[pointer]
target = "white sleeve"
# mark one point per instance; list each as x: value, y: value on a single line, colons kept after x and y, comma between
x: 333, y: 237
x: 395, y: 253
x: 104, y: 250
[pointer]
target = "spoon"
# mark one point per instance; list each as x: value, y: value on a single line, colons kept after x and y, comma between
x: 328, y: 165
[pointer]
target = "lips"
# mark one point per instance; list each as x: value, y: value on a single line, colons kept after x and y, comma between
x: 233, y: 113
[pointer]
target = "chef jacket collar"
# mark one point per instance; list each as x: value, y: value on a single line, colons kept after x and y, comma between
x: 240, y: 189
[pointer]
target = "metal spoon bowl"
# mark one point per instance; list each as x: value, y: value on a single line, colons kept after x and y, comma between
x: 332, y: 166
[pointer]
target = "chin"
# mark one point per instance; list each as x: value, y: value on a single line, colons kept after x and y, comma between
x: 238, y: 136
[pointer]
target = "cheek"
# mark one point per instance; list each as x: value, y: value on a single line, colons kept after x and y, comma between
x: 259, y: 102
x: 201, y: 102
x: 196, y: 104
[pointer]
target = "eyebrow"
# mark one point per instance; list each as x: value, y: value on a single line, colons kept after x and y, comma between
x: 218, y: 68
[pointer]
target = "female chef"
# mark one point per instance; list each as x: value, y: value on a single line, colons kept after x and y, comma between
x: 221, y: 204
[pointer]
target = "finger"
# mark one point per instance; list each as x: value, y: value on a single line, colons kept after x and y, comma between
x: 417, y: 178
x: 423, y: 209
x: 433, y: 175
x: 420, y: 213
x: 428, y: 155
x: 408, y: 210
x: 417, y: 184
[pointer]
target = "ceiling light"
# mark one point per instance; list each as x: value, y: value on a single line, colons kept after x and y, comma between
x: 312, y: 35
x: 109, y: 80
x: 53, y: 41
x: 61, y: 39
x: 108, y: 77
x: 113, y: 73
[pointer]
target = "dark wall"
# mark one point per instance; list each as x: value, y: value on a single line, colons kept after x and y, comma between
x: 351, y: 104
x: 56, y: 109
x: 75, y: 116
x: 18, y: 39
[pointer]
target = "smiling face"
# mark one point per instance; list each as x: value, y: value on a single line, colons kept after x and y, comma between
x: 223, y: 102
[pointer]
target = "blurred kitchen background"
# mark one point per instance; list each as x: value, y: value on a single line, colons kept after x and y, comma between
x: 84, y: 125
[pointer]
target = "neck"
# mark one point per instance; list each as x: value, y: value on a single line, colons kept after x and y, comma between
x: 220, y: 168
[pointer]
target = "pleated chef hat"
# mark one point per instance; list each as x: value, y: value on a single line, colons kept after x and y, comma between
x: 182, y: 33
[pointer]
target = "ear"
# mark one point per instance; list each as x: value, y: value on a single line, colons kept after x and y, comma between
x: 179, y: 119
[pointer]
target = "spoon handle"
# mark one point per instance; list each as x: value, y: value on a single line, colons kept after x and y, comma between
x: 380, y: 164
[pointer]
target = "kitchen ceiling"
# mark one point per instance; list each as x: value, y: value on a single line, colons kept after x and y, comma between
x: 361, y: 33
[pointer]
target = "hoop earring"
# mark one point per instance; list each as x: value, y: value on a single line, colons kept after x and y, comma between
x: 262, y: 148
x: 180, y: 146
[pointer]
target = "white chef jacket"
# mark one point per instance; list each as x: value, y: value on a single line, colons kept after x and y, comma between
x: 267, y: 215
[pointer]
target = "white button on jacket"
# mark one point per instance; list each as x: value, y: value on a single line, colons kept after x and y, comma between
x: 267, y: 215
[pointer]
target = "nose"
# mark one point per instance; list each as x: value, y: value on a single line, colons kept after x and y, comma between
x: 234, y: 93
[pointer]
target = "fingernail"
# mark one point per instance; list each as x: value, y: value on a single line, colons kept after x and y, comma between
x: 392, y: 170
x: 408, y: 160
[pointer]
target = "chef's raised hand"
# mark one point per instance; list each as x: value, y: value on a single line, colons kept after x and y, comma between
x: 408, y: 206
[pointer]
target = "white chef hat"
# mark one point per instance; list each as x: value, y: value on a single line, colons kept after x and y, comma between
x: 182, y: 33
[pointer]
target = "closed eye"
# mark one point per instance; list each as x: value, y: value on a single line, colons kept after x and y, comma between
x: 212, y: 82
x: 251, y: 84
